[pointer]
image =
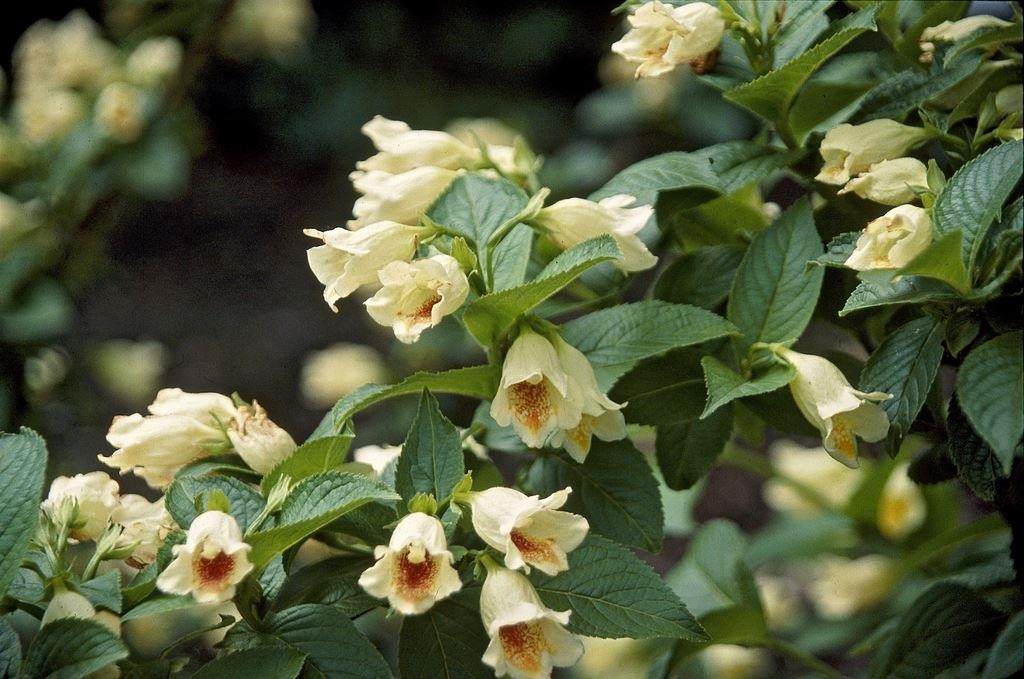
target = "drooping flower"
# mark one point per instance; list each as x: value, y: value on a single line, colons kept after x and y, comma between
x: 400, y: 197
x: 852, y: 149
x: 901, y: 506
x: 401, y: 148
x: 780, y: 599
x: 414, y: 570
x: 154, y: 61
x: 179, y: 430
x: 378, y: 457
x: 258, y: 440
x: 96, y: 496
x: 350, y: 259
x: 528, y: 530
x: 528, y: 639
x: 662, y: 37
x: 810, y: 467
x: 953, y: 31
x: 840, y: 412
x: 417, y: 295
x: 843, y: 587
x: 890, y: 182
x: 211, y: 562
x: 575, y: 220
x: 119, y: 111
x: 892, y: 240
x: 144, y: 524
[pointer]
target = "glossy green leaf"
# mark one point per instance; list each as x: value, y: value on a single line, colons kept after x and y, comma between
x: 312, y: 457
x: 725, y: 385
x: 72, y: 648
x: 990, y: 388
x: 22, y: 470
x: 431, y: 459
x: 686, y: 450
x: 446, y: 642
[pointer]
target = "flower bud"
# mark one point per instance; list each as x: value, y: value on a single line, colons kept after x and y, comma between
x: 67, y: 604
x: 401, y: 149
x: 119, y: 112
x: 145, y: 525
x: 901, y: 506
x: 844, y: 587
x: 892, y: 240
x: 528, y: 639
x: 414, y: 570
x: 661, y: 36
x: 575, y: 220
x: 95, y: 494
x: 529, y: 531
x: 211, y: 562
x: 418, y: 295
x: 260, y: 442
x: 840, y: 412
x: 890, y: 182
x: 852, y: 149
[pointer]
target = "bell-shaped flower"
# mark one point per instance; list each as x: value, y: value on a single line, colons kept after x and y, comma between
x: 398, y: 197
x: 401, y: 149
x: 575, y: 220
x: 145, y: 525
x: 350, y: 259
x: 180, y: 430
x: 94, y: 494
x: 840, y: 412
x: 844, y: 587
x: 378, y: 457
x: 892, y: 240
x: 211, y: 562
x: 417, y: 295
x: 529, y: 531
x: 662, y: 37
x: 890, y: 182
x: 812, y: 468
x: 608, y: 426
x: 953, y: 31
x: 852, y: 149
x: 258, y: 440
x: 901, y: 506
x: 415, y: 569
x: 528, y: 639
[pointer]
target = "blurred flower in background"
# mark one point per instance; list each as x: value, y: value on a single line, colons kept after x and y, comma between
x: 129, y: 370
x: 338, y: 370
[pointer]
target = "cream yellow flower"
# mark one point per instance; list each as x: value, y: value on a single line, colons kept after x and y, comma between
x: 211, y: 562
x: 350, y: 259
x: 275, y: 28
x: 852, y: 149
x: 901, y: 506
x: 528, y: 530
x: 952, y: 31
x: 528, y: 639
x: 144, y: 524
x: 414, y: 570
x: 662, y: 37
x: 67, y: 604
x: 843, y: 587
x: 729, y: 661
x: 119, y: 112
x: 378, y: 457
x: 338, y: 370
x: 890, y: 182
x: 398, y: 197
x: 154, y: 61
x: 575, y: 220
x: 68, y: 53
x: 401, y: 148
x: 179, y: 430
x: 47, y: 115
x: 780, y: 599
x: 258, y: 440
x: 840, y: 412
x: 810, y: 467
x: 893, y: 240
x: 94, y: 494
x: 418, y: 295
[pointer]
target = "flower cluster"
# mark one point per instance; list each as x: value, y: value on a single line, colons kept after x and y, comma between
x: 662, y: 37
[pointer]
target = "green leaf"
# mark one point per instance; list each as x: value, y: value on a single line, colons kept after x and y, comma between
x: 22, y: 468
x: 312, y: 457
x: 941, y: 261
x: 474, y: 207
x: 669, y: 171
x: 974, y: 197
x: 990, y: 388
x: 489, y: 317
x: 663, y: 389
x: 910, y: 89
x: 103, y: 591
x: 770, y: 95
x: 332, y: 582
x: 478, y: 381
x: 1006, y: 659
x: 71, y: 648
x: 687, y: 450
x: 905, y: 365
x: 976, y: 464
x: 160, y: 604
x: 622, y: 335
x: 279, y: 663
x: 612, y: 594
x: 775, y: 292
x: 10, y: 649
x: 614, y: 488
x: 877, y: 291
x: 446, y: 642
x: 942, y: 628
x: 246, y: 503
x: 741, y: 163
x: 512, y: 258
x: 804, y: 22
x: 724, y: 385
x: 839, y: 249
x: 702, y: 278
x: 713, y: 575
x: 431, y: 459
